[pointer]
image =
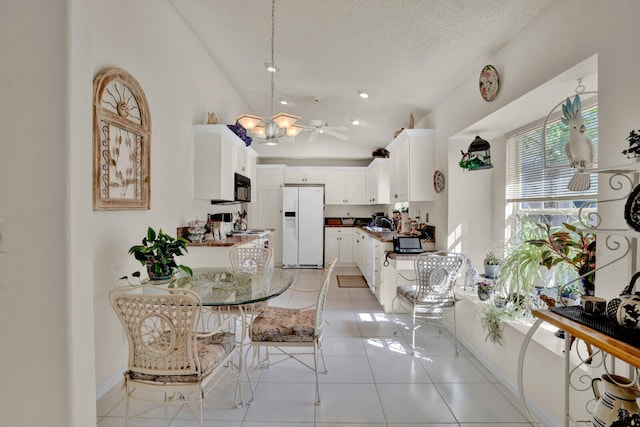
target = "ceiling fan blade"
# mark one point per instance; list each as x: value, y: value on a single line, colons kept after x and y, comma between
x: 287, y: 139
x: 313, y: 137
x: 338, y: 128
x: 336, y: 134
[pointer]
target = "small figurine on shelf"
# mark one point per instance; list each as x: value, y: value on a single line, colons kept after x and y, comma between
x: 212, y: 119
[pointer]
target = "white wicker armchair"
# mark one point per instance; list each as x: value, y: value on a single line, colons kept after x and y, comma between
x: 277, y: 328
x: 166, y: 351
x: 432, y: 298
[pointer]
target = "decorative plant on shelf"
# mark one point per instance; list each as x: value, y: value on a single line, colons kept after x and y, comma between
x: 572, y: 246
x: 484, y: 289
x: 491, y: 263
x: 157, y: 252
x: 634, y: 145
x: 515, y: 289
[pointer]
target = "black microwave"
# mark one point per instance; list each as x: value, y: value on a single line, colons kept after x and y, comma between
x: 242, y: 192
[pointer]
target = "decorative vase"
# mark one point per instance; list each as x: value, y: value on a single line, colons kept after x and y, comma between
x: 484, y: 294
x: 491, y: 270
x: 619, y: 393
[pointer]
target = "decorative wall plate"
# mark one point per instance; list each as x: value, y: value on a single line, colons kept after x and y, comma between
x: 632, y: 209
x: 438, y: 181
x: 489, y: 83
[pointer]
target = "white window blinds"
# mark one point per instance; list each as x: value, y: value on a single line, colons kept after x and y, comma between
x: 527, y: 177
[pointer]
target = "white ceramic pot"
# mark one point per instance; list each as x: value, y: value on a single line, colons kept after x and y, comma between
x: 619, y: 393
x: 628, y: 314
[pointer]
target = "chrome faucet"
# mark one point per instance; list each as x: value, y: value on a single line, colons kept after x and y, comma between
x: 392, y: 226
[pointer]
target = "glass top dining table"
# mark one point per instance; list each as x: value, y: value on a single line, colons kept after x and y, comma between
x: 224, y: 286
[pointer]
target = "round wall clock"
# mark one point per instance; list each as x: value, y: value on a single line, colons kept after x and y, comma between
x: 489, y: 83
x: 438, y: 181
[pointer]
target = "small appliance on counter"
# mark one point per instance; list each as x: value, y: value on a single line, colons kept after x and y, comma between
x: 222, y: 222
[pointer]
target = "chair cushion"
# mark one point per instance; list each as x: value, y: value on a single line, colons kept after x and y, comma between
x: 408, y: 294
x: 211, y: 350
x: 278, y: 324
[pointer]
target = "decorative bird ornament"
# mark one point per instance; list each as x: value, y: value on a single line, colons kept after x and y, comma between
x: 580, y: 149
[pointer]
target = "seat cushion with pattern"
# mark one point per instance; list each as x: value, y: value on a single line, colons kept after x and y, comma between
x: 408, y: 293
x: 279, y: 324
x: 211, y: 350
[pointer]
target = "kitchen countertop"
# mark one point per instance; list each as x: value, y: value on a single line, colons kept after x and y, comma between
x: 229, y: 241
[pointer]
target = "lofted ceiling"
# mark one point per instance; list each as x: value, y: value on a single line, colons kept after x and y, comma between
x: 409, y: 54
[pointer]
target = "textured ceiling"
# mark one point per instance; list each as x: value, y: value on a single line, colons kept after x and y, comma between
x: 409, y: 54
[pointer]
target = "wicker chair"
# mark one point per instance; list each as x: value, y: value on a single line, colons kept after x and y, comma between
x: 166, y: 351
x: 433, y: 296
x: 250, y: 258
x: 278, y: 328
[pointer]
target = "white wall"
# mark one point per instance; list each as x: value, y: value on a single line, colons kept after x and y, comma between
x: 35, y: 287
x: 181, y: 84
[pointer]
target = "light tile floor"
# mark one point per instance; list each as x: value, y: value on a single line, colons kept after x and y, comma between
x: 372, y: 381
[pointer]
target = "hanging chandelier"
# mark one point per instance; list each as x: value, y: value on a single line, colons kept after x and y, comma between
x: 282, y: 124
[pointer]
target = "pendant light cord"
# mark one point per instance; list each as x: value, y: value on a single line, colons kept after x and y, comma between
x: 273, y: 30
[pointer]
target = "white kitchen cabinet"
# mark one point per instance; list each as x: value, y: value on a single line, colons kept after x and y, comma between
x: 217, y: 151
x: 345, y: 187
x: 269, y: 216
x: 360, y: 249
x: 412, y: 166
x: 269, y: 177
x: 338, y: 243
x: 377, y: 183
x: 300, y: 175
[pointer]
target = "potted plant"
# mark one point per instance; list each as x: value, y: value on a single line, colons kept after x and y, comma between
x: 515, y: 288
x: 157, y: 252
x: 491, y: 265
x: 484, y: 289
x: 572, y: 246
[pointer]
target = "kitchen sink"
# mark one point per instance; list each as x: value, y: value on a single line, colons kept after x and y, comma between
x: 376, y: 229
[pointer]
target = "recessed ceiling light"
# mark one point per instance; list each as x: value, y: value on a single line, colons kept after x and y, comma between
x: 283, y: 101
x: 271, y: 67
x: 363, y: 94
x: 355, y: 122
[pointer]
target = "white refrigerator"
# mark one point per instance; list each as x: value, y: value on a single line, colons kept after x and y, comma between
x: 303, y: 227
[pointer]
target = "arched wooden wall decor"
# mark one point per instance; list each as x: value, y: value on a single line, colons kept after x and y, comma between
x: 121, y: 142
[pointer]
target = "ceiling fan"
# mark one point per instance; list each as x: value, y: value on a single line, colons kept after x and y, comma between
x: 318, y: 126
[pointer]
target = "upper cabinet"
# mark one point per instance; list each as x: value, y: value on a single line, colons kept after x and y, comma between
x: 218, y: 154
x: 270, y: 177
x: 377, y: 188
x: 412, y: 166
x: 345, y: 186
x: 303, y: 175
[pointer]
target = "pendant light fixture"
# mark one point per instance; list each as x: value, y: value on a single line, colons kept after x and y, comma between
x: 269, y: 130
